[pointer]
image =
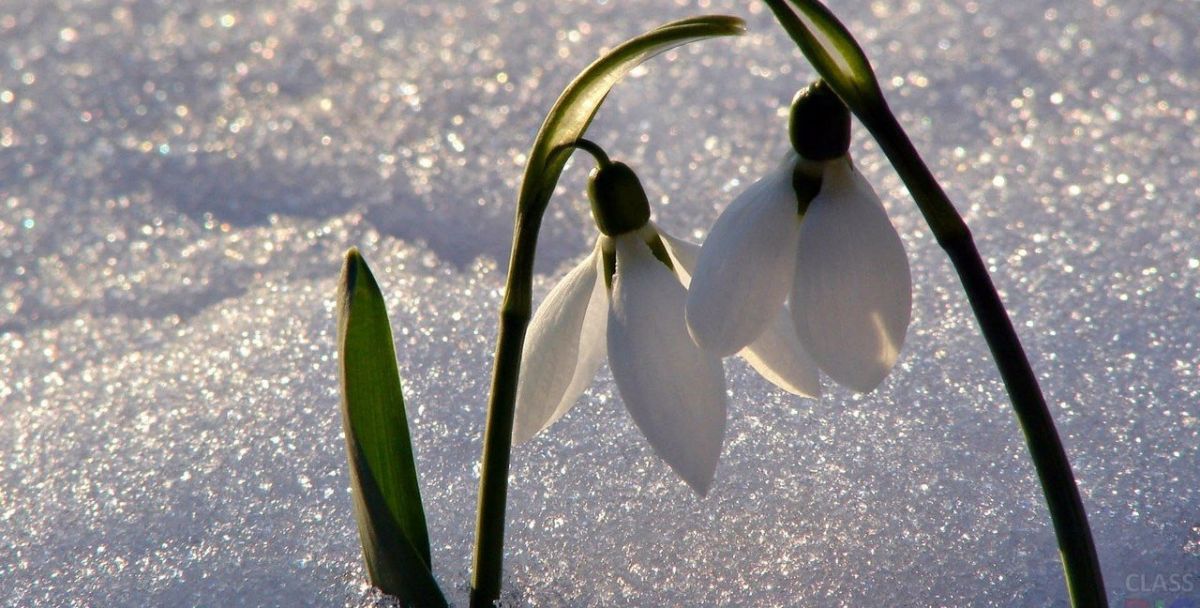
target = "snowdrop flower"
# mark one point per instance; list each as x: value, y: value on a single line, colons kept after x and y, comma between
x: 626, y: 300
x: 813, y: 233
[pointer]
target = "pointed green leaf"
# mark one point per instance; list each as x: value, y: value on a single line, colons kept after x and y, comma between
x: 834, y: 53
x: 573, y: 111
x: 383, y: 475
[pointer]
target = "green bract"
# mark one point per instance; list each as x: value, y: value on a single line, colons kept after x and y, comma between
x: 832, y: 51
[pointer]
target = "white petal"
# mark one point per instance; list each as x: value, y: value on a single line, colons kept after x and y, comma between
x: 746, y: 266
x: 776, y: 354
x: 674, y: 390
x: 563, y: 348
x: 852, y: 298
x: 592, y: 346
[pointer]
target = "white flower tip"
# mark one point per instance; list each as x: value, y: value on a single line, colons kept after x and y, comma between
x: 860, y: 356
x: 693, y: 453
x: 870, y: 353
x: 866, y: 381
x: 796, y: 384
x: 778, y: 356
x: 523, y: 432
x: 693, y: 458
x: 871, y: 372
x: 701, y: 485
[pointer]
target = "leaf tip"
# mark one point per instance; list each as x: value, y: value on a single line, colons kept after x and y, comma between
x: 356, y: 283
x: 354, y: 261
x: 356, y: 273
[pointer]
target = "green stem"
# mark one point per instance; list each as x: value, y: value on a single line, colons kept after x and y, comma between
x: 563, y: 127
x: 497, y: 435
x: 515, y: 313
x: 592, y: 148
x: 1081, y: 566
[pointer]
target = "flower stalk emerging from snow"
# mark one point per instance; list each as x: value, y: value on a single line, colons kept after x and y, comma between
x: 564, y: 125
x: 840, y: 61
x: 812, y: 232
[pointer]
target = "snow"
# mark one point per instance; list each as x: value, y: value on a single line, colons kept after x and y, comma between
x: 178, y: 181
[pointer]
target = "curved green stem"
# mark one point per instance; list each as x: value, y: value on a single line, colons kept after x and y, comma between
x: 1081, y: 565
x: 594, y: 149
x: 839, y: 59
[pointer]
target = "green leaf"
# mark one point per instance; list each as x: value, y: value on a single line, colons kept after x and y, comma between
x: 834, y: 53
x: 383, y: 475
x: 573, y: 111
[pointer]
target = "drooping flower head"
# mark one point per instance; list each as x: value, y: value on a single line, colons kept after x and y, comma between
x: 626, y: 300
x: 814, y: 235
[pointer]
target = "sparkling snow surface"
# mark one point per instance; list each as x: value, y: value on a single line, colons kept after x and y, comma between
x: 179, y: 180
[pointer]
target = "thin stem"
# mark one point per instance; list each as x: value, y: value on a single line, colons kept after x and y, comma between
x: 1081, y: 565
x: 515, y: 312
x: 497, y: 436
x: 592, y: 148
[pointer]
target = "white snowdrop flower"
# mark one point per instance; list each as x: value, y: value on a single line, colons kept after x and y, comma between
x: 812, y: 233
x: 626, y: 300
